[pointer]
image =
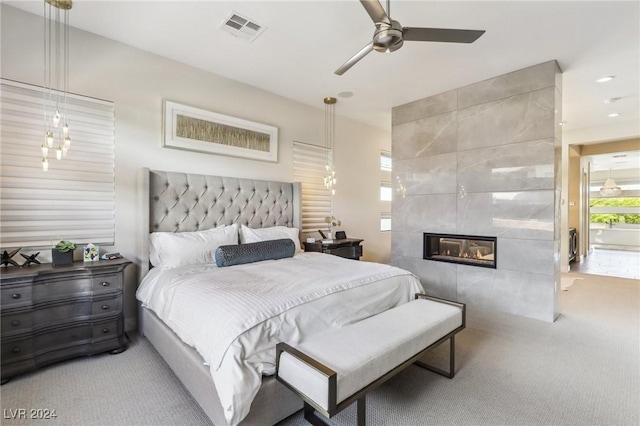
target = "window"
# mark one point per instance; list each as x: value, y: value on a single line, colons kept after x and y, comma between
x: 615, y: 210
x: 385, y: 191
x: 72, y: 201
x: 385, y: 161
x: 309, y: 168
x: 385, y: 222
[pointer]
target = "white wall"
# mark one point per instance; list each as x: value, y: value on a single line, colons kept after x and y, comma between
x: 138, y: 82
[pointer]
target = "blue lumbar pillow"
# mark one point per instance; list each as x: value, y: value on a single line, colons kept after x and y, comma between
x: 238, y: 254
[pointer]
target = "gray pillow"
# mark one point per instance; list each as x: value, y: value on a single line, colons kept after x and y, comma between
x: 238, y: 254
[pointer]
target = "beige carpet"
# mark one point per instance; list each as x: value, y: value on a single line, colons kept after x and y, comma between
x: 584, y: 369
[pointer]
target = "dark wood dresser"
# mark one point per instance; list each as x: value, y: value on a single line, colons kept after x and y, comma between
x: 349, y: 248
x: 51, y: 313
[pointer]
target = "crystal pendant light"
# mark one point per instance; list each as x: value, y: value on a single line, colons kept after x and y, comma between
x: 330, y: 135
x: 56, y: 78
x: 610, y: 188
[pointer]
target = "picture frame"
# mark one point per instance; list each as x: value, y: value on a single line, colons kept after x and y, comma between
x: 195, y: 129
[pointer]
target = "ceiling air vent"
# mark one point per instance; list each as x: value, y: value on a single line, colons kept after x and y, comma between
x: 242, y: 27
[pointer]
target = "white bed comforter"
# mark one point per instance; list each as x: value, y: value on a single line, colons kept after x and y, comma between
x: 234, y: 316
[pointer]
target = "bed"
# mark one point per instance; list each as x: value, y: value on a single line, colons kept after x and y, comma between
x: 241, y: 362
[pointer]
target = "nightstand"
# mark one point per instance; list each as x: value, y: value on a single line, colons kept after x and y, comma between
x: 52, y: 313
x: 349, y: 248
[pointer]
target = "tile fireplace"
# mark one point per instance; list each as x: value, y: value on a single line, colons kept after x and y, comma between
x: 463, y: 249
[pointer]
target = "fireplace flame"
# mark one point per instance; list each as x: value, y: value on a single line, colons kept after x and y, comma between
x: 461, y: 250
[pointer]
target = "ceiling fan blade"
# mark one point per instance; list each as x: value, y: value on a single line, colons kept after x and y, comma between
x: 375, y: 11
x: 354, y: 59
x: 441, y: 35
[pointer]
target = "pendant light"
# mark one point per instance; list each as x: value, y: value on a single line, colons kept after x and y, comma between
x: 610, y: 189
x: 330, y: 135
x: 56, y: 79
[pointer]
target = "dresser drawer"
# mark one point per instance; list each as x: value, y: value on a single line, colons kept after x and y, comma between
x: 14, y: 296
x: 32, y: 320
x: 17, y: 350
x: 107, y: 283
x: 15, y: 323
x: 110, y: 306
x: 25, y: 321
x: 108, y: 330
x: 45, y: 347
x: 54, y: 288
x: 351, y: 252
x: 78, y: 334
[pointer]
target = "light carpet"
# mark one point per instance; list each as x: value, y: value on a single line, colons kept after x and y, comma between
x: 584, y: 369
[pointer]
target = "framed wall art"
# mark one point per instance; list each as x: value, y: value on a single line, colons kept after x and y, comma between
x: 195, y: 129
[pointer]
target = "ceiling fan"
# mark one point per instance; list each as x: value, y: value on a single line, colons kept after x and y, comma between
x: 389, y: 35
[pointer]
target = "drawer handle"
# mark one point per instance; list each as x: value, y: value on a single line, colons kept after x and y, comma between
x: 105, y: 330
x: 105, y: 284
x: 15, y: 350
x: 15, y: 323
x: 105, y: 307
x: 15, y: 296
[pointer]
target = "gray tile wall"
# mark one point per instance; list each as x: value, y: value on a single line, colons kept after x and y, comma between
x: 484, y: 160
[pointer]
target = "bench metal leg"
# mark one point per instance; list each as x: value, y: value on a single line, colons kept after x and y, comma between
x: 361, y: 406
x: 311, y: 417
x: 362, y: 410
x: 452, y: 361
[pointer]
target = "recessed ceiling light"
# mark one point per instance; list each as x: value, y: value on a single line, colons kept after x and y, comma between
x: 614, y: 114
x: 605, y: 79
x: 562, y: 123
x: 611, y: 100
x: 346, y: 94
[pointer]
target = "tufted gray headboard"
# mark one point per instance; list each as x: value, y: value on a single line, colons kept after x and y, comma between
x: 182, y: 202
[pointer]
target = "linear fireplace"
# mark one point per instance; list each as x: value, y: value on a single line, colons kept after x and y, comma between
x: 464, y: 249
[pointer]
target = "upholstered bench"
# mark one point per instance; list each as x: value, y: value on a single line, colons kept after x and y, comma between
x: 333, y: 369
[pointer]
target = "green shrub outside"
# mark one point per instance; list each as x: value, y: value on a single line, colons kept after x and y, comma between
x: 633, y: 218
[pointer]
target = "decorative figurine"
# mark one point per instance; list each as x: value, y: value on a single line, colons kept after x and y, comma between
x: 30, y: 259
x: 7, y: 258
x: 91, y: 253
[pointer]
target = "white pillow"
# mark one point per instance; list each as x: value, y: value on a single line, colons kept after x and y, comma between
x: 251, y: 235
x: 173, y: 249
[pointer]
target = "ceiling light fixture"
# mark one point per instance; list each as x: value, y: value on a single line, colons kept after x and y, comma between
x: 56, y: 78
x: 611, y: 100
x: 605, y: 79
x: 329, y: 136
x: 610, y: 188
x: 613, y: 114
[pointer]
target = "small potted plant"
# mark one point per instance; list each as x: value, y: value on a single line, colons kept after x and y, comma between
x: 332, y: 221
x: 62, y: 253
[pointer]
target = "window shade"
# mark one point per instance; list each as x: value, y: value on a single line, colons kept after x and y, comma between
x: 385, y: 161
x: 72, y: 201
x: 385, y: 221
x: 309, y: 162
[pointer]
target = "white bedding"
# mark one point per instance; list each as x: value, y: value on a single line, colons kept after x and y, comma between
x: 234, y: 316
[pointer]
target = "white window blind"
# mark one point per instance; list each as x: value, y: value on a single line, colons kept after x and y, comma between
x: 385, y: 161
x: 309, y: 168
x: 385, y: 221
x: 385, y: 191
x: 74, y: 199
